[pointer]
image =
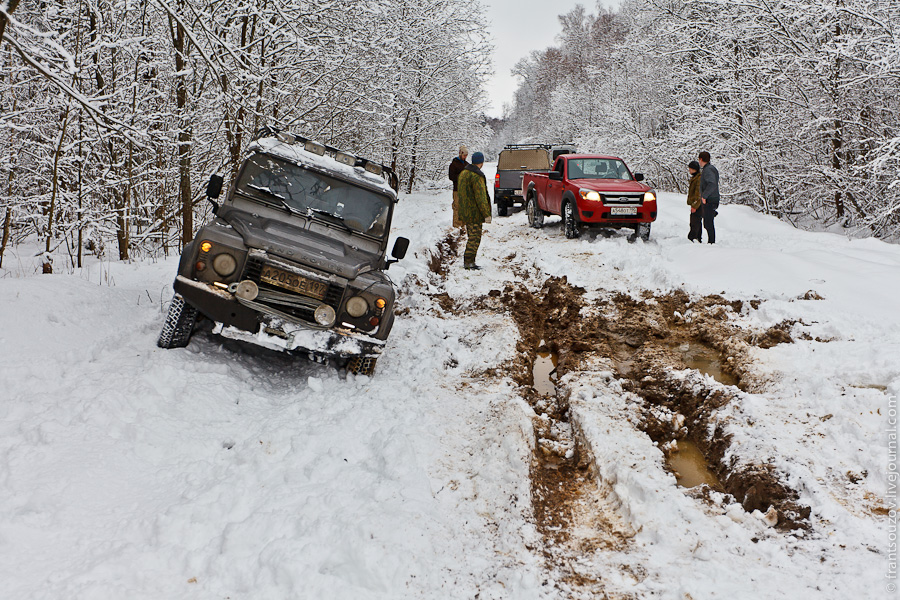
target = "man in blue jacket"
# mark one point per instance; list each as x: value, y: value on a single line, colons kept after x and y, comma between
x: 709, y: 195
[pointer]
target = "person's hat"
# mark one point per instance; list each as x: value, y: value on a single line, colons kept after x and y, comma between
x: 477, y: 158
x: 694, y: 165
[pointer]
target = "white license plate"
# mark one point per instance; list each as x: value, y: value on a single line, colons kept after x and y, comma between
x: 517, y: 192
x: 623, y: 210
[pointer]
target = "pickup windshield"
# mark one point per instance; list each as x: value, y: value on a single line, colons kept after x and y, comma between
x: 598, y: 168
x: 312, y: 194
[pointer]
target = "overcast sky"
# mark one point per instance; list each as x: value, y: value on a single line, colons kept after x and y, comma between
x: 518, y: 27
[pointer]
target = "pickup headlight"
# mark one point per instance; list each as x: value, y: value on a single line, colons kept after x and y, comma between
x: 650, y: 196
x: 590, y: 195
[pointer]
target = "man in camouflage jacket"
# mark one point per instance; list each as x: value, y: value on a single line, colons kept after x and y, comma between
x: 474, y: 207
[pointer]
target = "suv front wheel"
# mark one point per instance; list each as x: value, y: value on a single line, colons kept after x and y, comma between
x: 360, y: 365
x: 180, y: 320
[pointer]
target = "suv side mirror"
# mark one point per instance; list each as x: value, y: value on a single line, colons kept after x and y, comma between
x: 638, y: 176
x: 401, y: 245
x: 555, y: 175
x: 214, y: 189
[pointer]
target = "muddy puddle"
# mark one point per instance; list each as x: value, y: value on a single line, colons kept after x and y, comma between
x: 543, y: 373
x: 647, y: 339
x: 707, y: 361
x: 691, y: 468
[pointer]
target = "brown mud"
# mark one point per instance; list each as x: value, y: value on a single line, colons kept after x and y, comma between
x: 646, y: 338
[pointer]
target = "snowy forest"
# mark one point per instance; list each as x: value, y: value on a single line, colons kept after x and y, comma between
x: 113, y: 114
x: 798, y: 101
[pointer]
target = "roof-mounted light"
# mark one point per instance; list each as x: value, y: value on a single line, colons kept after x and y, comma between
x: 344, y: 158
x: 314, y: 147
x: 286, y: 138
x: 374, y: 168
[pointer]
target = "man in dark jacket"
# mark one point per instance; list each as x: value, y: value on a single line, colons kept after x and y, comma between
x: 709, y: 195
x: 456, y: 166
x: 474, y: 207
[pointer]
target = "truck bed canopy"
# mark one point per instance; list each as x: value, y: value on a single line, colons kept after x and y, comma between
x: 528, y: 159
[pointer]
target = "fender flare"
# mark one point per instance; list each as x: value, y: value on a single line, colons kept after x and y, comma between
x: 568, y: 196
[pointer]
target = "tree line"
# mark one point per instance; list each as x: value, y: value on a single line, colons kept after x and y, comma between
x: 798, y: 101
x: 113, y: 114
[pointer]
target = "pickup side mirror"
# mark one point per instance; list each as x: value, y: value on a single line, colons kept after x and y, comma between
x: 638, y: 176
x: 401, y: 245
x: 555, y: 175
x: 214, y: 189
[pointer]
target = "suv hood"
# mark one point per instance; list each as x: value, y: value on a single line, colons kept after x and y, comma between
x: 611, y: 185
x: 302, y: 246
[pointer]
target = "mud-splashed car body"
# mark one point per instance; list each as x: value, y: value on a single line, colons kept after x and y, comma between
x: 296, y: 255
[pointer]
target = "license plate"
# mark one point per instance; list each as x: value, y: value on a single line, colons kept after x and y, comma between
x: 295, y: 283
x: 517, y: 192
x: 623, y: 210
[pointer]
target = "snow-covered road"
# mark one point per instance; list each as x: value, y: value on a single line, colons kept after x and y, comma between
x: 225, y: 471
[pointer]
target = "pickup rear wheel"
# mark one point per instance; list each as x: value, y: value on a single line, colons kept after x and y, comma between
x: 570, y: 227
x: 502, y: 208
x: 533, y: 212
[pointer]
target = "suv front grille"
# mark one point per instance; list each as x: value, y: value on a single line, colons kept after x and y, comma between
x: 288, y: 301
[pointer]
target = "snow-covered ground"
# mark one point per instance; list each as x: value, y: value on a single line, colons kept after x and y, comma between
x: 222, y: 470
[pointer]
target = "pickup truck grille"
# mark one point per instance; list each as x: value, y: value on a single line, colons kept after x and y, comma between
x: 622, y: 199
x: 287, y: 301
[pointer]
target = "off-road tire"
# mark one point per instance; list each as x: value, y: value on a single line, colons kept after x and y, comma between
x: 502, y: 209
x: 534, y: 213
x: 643, y: 231
x: 361, y: 365
x: 179, y: 325
x: 570, y: 227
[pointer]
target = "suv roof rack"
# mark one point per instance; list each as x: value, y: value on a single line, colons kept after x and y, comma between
x: 339, y: 155
x: 524, y: 146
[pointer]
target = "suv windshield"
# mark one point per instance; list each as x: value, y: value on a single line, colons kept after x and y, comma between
x: 311, y: 194
x: 598, y: 168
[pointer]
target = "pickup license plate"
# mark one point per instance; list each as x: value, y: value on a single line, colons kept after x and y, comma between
x: 293, y: 282
x: 517, y: 192
x: 623, y: 210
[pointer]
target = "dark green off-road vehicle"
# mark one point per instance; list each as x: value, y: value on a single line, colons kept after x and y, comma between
x: 295, y: 257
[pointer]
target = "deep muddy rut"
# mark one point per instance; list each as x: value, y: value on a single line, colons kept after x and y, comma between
x: 646, y: 338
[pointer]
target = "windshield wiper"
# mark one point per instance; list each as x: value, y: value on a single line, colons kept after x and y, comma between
x: 279, y: 197
x: 338, y: 220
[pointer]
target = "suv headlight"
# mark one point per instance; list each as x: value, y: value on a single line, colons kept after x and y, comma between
x: 590, y: 195
x: 357, y: 306
x: 224, y: 264
x: 650, y: 196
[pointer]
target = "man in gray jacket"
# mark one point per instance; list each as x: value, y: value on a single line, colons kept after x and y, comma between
x: 709, y: 195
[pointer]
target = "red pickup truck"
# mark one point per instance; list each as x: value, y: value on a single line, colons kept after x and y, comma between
x: 593, y: 190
